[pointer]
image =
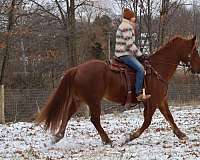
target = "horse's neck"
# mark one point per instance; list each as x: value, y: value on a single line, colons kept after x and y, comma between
x: 165, y: 63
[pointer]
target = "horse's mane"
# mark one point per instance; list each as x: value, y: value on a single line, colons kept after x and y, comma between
x: 166, y: 45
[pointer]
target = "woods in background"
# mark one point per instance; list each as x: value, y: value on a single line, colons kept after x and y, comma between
x: 41, y: 39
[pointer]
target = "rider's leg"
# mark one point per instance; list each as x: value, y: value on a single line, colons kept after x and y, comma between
x: 133, y: 63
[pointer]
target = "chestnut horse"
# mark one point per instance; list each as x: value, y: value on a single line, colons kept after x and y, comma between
x: 92, y: 81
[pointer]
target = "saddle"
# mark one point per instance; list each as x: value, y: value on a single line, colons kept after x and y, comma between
x: 116, y: 65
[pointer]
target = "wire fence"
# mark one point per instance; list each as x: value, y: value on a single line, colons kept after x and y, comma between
x: 22, y: 105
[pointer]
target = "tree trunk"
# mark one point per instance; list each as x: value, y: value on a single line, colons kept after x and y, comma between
x: 68, y: 20
x: 5, y: 58
x: 72, y: 35
x: 2, y: 116
x: 137, y: 37
x: 163, y: 21
x: 149, y: 25
x: 7, y: 41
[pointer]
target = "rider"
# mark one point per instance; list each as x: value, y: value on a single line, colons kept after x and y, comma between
x: 127, y: 51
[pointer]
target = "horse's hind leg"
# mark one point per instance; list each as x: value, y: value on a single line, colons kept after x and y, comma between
x: 68, y: 113
x: 164, y: 108
x: 95, y: 111
x: 148, y: 113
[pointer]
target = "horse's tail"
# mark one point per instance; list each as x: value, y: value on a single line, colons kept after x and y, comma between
x: 53, y: 111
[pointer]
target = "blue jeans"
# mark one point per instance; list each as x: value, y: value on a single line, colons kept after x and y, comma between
x: 133, y: 63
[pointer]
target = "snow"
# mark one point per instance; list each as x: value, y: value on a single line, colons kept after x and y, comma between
x: 28, y: 141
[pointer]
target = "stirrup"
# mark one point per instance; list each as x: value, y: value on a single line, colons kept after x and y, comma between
x: 130, y: 92
x: 143, y: 97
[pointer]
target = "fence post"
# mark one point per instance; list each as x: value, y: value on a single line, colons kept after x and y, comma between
x: 2, y: 116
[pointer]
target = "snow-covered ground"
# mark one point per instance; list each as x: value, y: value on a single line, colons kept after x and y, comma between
x: 28, y: 141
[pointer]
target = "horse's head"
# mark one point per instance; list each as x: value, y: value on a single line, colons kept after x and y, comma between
x: 190, y: 55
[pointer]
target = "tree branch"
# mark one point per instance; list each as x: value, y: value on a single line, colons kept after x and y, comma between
x: 61, y: 13
x: 45, y: 10
x: 82, y: 3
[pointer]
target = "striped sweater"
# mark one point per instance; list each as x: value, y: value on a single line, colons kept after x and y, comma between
x: 125, y: 40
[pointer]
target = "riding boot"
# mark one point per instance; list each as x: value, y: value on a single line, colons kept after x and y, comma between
x: 142, y: 96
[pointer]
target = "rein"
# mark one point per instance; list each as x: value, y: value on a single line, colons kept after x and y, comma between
x: 158, y: 75
x: 188, y: 64
x: 173, y: 64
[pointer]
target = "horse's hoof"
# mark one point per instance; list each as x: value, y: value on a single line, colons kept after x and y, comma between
x: 55, y: 139
x: 124, y: 140
x: 183, y: 139
x: 134, y: 135
x: 107, y: 142
x: 128, y: 139
x: 182, y: 136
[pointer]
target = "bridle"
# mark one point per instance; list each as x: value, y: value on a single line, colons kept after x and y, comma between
x: 188, y: 65
x: 189, y: 62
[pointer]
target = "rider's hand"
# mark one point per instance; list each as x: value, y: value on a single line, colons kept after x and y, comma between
x: 142, y: 57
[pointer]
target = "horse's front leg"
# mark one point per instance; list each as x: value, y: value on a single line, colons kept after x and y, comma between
x: 148, y: 113
x: 164, y: 108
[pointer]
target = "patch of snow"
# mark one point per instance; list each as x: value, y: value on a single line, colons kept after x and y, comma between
x: 28, y: 141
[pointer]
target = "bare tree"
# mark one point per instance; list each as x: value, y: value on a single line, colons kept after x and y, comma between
x: 64, y: 12
x: 163, y: 20
x: 10, y: 24
x: 195, y: 18
x: 9, y: 28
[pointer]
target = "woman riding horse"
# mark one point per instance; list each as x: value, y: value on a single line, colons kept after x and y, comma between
x: 92, y: 81
x: 127, y: 51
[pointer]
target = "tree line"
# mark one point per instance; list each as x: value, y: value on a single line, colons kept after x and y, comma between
x: 40, y: 39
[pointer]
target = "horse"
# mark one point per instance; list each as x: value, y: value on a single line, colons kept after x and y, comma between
x: 93, y: 80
